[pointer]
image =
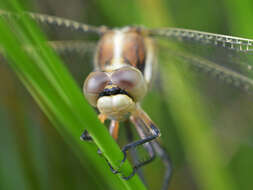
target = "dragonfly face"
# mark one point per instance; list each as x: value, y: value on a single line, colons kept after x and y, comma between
x: 115, y: 93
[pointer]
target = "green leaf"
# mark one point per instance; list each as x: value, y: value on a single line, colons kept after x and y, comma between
x: 56, y: 92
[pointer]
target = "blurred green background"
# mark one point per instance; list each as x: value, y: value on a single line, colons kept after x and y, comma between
x: 34, y: 156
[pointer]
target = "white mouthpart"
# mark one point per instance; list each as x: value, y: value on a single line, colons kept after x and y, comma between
x: 115, y: 106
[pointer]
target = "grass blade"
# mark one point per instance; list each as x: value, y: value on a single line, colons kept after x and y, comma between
x: 56, y: 92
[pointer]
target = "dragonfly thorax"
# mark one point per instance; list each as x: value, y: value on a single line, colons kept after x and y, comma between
x: 125, y: 47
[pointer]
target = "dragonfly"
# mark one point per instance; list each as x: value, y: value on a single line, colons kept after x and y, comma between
x: 124, y: 67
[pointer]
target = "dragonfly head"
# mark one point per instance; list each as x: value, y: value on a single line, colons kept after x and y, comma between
x: 115, y: 93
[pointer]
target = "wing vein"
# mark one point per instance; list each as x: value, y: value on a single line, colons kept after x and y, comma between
x: 229, y: 42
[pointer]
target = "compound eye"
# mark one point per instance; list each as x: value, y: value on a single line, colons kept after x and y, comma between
x: 93, y: 85
x: 131, y: 80
x: 126, y: 78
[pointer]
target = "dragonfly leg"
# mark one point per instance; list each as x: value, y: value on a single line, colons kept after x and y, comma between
x: 114, y: 129
x: 162, y: 153
x: 133, y: 152
x: 159, y: 150
x: 147, y: 145
x: 139, y: 163
x: 140, y: 118
x: 85, y: 136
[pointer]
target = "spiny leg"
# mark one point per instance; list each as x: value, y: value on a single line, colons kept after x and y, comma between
x: 134, y: 154
x: 141, y: 118
x: 140, y: 127
x: 114, y: 129
x: 161, y: 152
x: 85, y: 136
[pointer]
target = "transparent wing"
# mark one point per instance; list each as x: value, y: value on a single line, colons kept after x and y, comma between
x: 228, y: 42
x: 77, y: 46
x: 227, y: 58
x: 55, y: 22
x: 77, y: 56
x: 65, y: 48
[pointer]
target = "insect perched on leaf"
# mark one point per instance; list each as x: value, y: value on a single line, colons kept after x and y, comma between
x: 124, y: 65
